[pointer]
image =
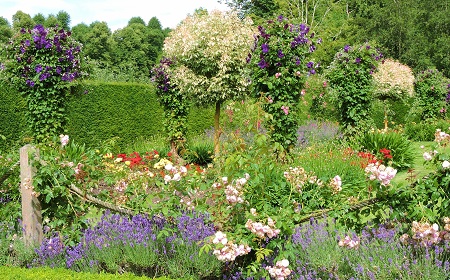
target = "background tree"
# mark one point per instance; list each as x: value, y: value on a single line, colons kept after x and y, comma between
x: 258, y: 10
x: 80, y: 32
x: 98, y: 42
x: 131, y: 50
x: 416, y: 32
x: 22, y: 20
x: 39, y: 18
x: 5, y: 30
x: 63, y: 19
x: 154, y: 23
x: 136, y: 20
x: 211, y: 51
x: 51, y: 21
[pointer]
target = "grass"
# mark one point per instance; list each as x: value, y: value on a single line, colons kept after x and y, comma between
x: 419, y: 169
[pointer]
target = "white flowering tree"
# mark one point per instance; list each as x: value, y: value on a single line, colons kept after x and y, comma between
x: 210, y: 50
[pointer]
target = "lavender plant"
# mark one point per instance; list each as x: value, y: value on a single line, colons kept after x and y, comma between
x: 142, y: 245
x: 376, y: 253
x: 41, y: 64
x: 279, y: 64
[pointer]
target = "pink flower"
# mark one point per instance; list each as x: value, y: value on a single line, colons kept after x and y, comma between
x: 64, y: 139
x: 285, y: 109
x: 277, y: 75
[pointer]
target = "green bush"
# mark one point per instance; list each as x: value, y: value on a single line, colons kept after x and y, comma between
x: 399, y: 146
x: 424, y: 131
x: 397, y: 112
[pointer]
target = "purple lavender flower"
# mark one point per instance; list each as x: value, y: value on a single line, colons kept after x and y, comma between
x: 346, y: 48
x: 310, y: 64
x: 265, y: 48
x: 358, y: 60
x: 38, y: 68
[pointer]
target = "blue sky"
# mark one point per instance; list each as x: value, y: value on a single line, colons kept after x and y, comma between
x: 115, y: 12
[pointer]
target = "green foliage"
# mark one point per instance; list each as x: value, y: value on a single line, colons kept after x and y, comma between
x: 431, y: 89
x: 40, y: 64
x: 424, y: 131
x: 280, y: 65
x: 320, y: 100
x: 59, y: 166
x: 125, y: 111
x: 175, y: 104
x: 199, y: 150
x: 426, y: 199
x: 397, y: 112
x: 135, y: 49
x: 58, y: 273
x: 12, y: 112
x: 399, y: 146
x: 350, y: 77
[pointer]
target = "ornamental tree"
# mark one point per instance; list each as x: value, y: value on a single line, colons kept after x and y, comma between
x: 41, y: 63
x: 211, y: 50
x: 280, y: 66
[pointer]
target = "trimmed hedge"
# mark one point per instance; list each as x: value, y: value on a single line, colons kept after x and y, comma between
x: 12, y: 114
x: 124, y: 110
x: 9, y: 273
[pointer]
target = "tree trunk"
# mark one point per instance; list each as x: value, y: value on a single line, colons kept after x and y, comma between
x: 217, y: 130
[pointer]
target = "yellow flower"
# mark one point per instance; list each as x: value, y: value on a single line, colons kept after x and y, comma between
x: 108, y: 155
x: 127, y: 162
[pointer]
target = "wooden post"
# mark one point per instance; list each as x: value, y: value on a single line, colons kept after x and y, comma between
x: 31, y: 207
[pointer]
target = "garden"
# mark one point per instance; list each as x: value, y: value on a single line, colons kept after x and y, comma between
x: 307, y: 173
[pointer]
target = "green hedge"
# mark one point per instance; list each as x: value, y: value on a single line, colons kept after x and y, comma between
x: 12, y: 114
x: 9, y: 273
x: 124, y: 110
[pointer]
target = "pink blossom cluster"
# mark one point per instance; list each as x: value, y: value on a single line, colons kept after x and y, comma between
x: 64, y: 139
x: 336, y: 184
x: 429, y: 155
x: 229, y: 251
x: 261, y: 230
x: 381, y: 173
x: 234, y: 191
x: 441, y: 137
x: 349, y: 242
x: 423, y: 234
x: 298, y: 177
x: 280, y: 271
x: 176, y: 172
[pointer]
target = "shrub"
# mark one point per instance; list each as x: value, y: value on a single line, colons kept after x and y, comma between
x: 42, y: 63
x: 279, y: 64
x: 350, y: 77
x: 399, y: 146
x: 424, y: 131
x: 431, y: 92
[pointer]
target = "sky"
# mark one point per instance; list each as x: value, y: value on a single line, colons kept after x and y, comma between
x: 116, y: 13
